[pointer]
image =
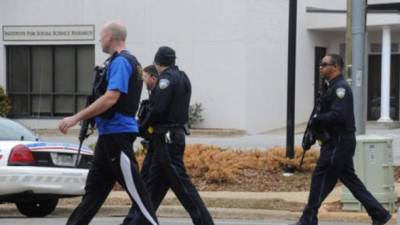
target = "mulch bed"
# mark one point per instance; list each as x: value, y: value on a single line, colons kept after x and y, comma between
x: 216, y: 169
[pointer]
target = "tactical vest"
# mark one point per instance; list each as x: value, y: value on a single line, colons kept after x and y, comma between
x: 127, y: 104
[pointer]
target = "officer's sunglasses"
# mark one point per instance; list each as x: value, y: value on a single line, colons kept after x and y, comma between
x: 324, y: 64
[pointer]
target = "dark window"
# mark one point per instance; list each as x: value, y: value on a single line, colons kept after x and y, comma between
x: 377, y: 47
x: 48, y: 80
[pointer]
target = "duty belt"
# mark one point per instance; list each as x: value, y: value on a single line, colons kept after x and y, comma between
x: 164, y: 128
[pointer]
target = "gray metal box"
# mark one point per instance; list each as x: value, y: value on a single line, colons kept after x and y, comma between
x: 373, y: 162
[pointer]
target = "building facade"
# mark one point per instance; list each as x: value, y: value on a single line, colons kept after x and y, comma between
x: 234, y: 51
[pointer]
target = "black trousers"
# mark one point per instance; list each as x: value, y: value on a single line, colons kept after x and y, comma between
x: 163, y: 168
x: 336, y: 163
x: 113, y: 161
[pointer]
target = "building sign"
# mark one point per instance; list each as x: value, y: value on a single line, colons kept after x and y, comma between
x: 49, y: 33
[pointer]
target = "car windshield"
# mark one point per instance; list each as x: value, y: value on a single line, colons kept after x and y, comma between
x: 10, y: 131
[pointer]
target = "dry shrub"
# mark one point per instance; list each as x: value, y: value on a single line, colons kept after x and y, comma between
x: 212, y: 168
x: 218, y: 165
x: 5, y: 103
x: 212, y: 163
x: 278, y: 159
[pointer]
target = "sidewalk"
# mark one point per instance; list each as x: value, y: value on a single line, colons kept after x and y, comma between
x: 230, y: 205
x: 236, y: 205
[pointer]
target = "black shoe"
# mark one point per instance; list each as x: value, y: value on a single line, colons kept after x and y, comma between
x: 382, y: 222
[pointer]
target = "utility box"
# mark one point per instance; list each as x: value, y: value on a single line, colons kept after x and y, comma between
x: 373, y: 162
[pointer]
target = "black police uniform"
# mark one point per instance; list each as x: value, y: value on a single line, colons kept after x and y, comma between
x: 336, y: 117
x: 144, y: 112
x: 164, y: 167
x: 114, y: 159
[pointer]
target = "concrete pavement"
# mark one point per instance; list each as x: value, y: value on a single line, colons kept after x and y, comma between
x: 235, y: 205
x: 163, y: 221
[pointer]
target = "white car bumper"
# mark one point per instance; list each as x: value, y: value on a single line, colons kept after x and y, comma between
x: 41, y: 180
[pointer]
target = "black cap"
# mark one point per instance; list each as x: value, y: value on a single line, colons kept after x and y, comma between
x: 165, y: 56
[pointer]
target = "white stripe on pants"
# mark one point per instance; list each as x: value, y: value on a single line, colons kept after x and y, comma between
x: 125, y: 164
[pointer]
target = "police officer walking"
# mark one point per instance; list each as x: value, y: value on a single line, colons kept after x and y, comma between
x: 150, y: 78
x: 116, y: 92
x: 169, y: 108
x: 334, y: 125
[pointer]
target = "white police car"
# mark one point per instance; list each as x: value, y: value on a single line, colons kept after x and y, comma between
x: 35, y: 174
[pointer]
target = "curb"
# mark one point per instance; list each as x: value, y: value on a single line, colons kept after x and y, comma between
x: 202, y: 132
x: 254, y: 214
x: 217, y: 213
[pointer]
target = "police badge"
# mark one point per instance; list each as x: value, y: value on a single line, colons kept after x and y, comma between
x: 340, y: 92
x: 164, y: 83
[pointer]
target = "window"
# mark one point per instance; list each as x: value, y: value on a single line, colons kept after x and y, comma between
x: 48, y: 80
x: 377, y: 47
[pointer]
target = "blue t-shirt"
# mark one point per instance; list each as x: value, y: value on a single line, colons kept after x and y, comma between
x: 118, y: 75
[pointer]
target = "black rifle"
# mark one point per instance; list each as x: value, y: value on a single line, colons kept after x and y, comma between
x: 98, y: 79
x: 99, y: 75
x: 309, y: 139
x: 84, y: 131
x: 310, y: 134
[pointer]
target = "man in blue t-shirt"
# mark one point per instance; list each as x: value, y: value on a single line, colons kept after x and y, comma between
x: 117, y: 95
x: 118, y: 75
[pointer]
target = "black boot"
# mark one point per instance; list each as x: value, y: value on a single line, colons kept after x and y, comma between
x: 382, y: 222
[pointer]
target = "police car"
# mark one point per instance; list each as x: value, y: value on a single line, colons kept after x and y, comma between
x: 34, y: 174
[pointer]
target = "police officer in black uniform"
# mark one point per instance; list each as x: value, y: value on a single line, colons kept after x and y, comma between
x: 335, y: 124
x: 150, y: 78
x: 168, y: 115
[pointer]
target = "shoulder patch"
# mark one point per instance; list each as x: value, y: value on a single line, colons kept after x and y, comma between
x: 340, y: 92
x: 164, y: 83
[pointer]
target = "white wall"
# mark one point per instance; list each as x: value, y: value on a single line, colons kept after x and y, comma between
x: 306, y: 43
x: 208, y: 37
x: 266, y: 60
x: 234, y: 51
x: 219, y: 55
x: 324, y: 20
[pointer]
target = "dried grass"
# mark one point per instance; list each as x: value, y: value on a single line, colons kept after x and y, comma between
x: 218, y: 165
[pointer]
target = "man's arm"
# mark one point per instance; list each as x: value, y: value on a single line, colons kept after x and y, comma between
x: 101, y: 105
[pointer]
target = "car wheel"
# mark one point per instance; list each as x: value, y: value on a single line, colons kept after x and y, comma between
x: 37, y: 208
